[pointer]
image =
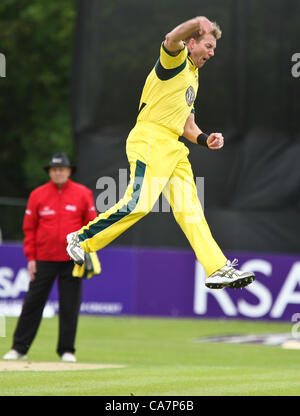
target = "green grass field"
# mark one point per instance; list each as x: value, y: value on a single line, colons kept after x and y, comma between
x: 162, y: 358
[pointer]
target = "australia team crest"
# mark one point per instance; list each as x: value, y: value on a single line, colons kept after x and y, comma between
x: 190, y: 96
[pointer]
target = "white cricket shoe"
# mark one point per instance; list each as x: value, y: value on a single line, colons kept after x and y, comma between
x: 228, y: 276
x: 68, y: 357
x: 73, y: 248
x: 14, y: 355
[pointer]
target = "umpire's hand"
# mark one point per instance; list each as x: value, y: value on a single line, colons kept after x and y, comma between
x: 215, y: 141
x: 32, y: 269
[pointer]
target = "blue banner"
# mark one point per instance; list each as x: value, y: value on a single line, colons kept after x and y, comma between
x: 165, y: 282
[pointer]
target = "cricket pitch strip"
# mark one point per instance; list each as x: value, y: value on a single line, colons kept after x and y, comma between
x: 22, y: 365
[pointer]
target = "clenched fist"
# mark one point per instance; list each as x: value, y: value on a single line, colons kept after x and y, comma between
x: 215, y: 141
x: 205, y: 25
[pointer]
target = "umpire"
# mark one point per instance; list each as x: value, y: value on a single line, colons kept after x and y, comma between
x: 53, y: 210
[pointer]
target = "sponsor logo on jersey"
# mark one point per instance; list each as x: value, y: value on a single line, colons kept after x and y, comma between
x: 71, y: 208
x: 46, y: 211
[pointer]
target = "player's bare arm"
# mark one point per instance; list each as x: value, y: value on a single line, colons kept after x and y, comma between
x: 191, y: 132
x: 174, y: 40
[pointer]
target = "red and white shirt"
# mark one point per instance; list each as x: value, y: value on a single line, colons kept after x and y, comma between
x: 51, y: 214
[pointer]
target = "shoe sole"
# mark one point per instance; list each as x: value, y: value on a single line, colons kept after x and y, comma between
x: 237, y: 284
x: 240, y: 283
x: 79, y: 262
x: 69, y: 239
x: 214, y: 286
x: 23, y: 357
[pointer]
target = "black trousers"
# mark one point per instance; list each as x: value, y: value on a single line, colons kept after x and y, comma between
x: 70, y: 290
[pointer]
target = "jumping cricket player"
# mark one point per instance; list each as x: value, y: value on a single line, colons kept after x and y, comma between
x: 159, y: 161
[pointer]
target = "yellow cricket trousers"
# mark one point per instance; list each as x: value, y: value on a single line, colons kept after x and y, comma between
x: 158, y: 163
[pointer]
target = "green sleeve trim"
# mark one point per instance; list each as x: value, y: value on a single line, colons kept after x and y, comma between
x: 169, y: 53
x: 165, y: 74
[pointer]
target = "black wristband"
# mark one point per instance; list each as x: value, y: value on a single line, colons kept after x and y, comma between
x: 202, y: 139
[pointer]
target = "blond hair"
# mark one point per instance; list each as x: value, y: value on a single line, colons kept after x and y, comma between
x: 216, y: 32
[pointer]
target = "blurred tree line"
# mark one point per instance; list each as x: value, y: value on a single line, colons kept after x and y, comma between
x: 37, y: 41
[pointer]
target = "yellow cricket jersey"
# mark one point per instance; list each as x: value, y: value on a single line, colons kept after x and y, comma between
x: 170, y: 90
x: 159, y: 163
